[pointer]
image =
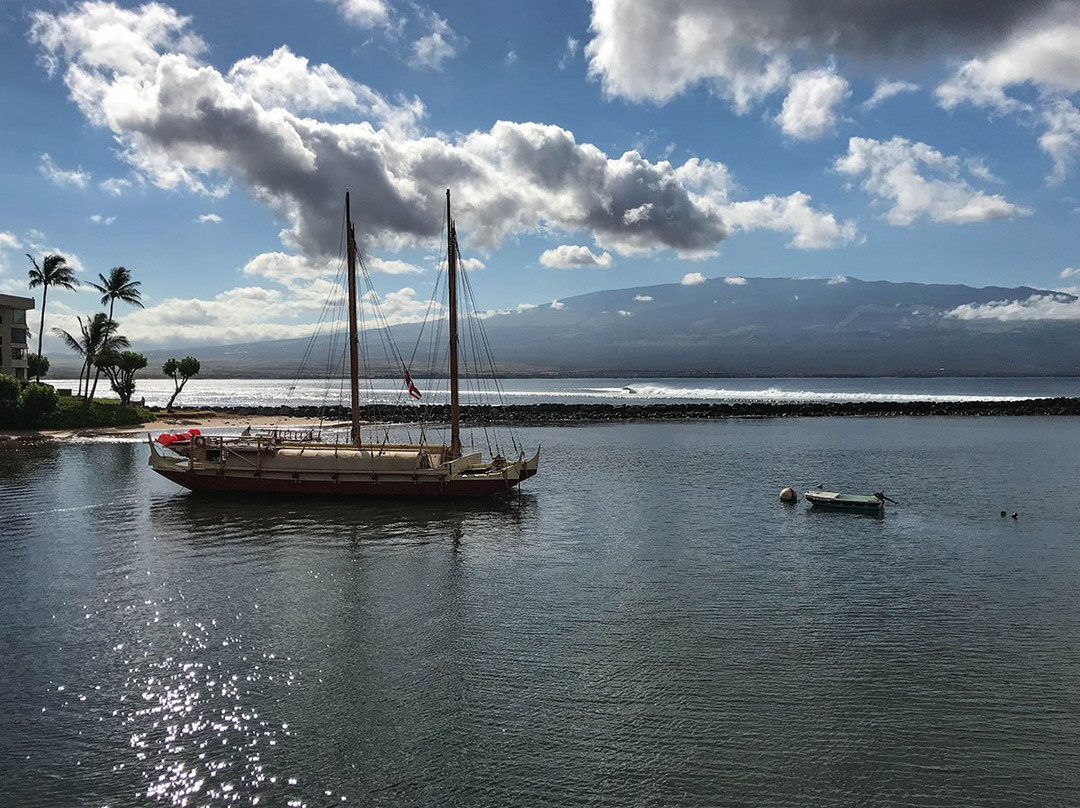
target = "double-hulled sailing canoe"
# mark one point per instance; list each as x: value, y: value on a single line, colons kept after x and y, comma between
x: 277, y: 465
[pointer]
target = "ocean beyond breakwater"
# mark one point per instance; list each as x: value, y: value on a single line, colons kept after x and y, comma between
x: 562, y: 413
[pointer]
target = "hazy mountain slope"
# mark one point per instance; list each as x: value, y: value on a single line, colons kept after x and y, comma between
x: 763, y: 326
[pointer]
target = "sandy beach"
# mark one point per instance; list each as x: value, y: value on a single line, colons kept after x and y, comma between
x: 179, y: 421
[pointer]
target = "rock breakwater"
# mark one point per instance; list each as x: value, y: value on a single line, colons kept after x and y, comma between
x: 550, y: 414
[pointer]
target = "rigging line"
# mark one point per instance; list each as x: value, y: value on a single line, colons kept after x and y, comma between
x: 486, y: 345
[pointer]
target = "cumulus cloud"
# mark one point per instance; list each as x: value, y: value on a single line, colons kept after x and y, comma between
x: 571, y: 257
x: 1041, y: 53
x: 810, y: 109
x: 392, y: 266
x: 735, y: 280
x: 1036, y: 307
x: 744, y: 51
x: 364, y: 13
x: 115, y: 186
x: 208, y: 218
x: 836, y: 280
x: 8, y: 241
x: 76, y: 178
x: 809, y: 229
x: 625, y: 313
x: 693, y: 279
x: 917, y: 180
x: 887, y: 89
x: 97, y: 218
x: 1068, y: 272
x: 184, y: 125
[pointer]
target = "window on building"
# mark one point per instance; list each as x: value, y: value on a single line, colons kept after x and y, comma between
x: 20, y: 374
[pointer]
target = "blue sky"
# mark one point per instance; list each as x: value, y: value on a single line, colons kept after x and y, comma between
x: 589, y: 145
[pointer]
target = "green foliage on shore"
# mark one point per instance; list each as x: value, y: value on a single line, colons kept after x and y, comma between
x: 74, y: 413
x: 38, y: 406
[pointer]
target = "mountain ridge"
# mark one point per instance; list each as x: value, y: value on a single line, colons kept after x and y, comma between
x: 733, y: 327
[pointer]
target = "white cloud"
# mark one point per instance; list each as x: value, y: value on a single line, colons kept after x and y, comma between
x: 438, y: 45
x: 744, y: 51
x: 1061, y: 140
x: 364, y: 13
x: 569, y: 52
x: 571, y: 257
x: 625, y: 313
x: 558, y: 305
x: 810, y: 109
x: 97, y: 218
x: 1041, y: 53
x: 895, y: 172
x: 887, y: 89
x: 1068, y: 272
x: 510, y: 58
x: 836, y: 280
x: 526, y: 306
x: 1036, y: 307
x: 470, y: 264
x: 809, y: 229
x: 693, y: 279
x: 392, y: 266
x: 290, y: 270
x: 8, y: 241
x: 735, y: 280
x: 58, y: 176
x: 208, y: 218
x: 643, y: 298
x: 115, y: 186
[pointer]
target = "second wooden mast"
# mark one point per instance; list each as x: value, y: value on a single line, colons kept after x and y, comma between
x: 451, y: 284
x: 354, y: 335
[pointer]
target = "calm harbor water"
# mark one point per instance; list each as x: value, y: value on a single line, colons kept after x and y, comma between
x: 646, y: 625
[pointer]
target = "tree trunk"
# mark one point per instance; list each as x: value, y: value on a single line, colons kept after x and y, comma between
x: 41, y: 328
x: 97, y: 370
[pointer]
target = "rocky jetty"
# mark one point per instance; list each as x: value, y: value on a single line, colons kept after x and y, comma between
x: 551, y: 414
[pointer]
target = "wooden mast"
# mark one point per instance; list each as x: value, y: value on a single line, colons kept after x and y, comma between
x: 451, y: 282
x: 354, y: 336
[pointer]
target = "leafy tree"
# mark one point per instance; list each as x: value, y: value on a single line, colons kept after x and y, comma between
x: 9, y: 399
x: 37, y: 365
x: 180, y: 371
x: 54, y: 271
x: 120, y: 369
x: 118, y: 286
x: 96, y: 338
x: 37, y: 401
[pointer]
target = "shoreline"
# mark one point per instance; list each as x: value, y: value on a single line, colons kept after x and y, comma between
x: 286, y: 417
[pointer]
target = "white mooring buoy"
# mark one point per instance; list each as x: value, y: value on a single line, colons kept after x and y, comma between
x: 789, y: 495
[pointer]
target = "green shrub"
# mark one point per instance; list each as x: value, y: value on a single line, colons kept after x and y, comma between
x: 9, y: 400
x: 36, y: 402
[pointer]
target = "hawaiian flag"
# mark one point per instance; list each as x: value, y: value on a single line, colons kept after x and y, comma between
x: 413, y: 392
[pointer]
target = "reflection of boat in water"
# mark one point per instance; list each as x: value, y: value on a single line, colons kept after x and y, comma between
x: 872, y: 503
x: 376, y: 468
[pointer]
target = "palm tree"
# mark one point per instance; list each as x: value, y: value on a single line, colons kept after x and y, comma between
x: 118, y: 286
x: 96, y: 337
x: 54, y: 271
